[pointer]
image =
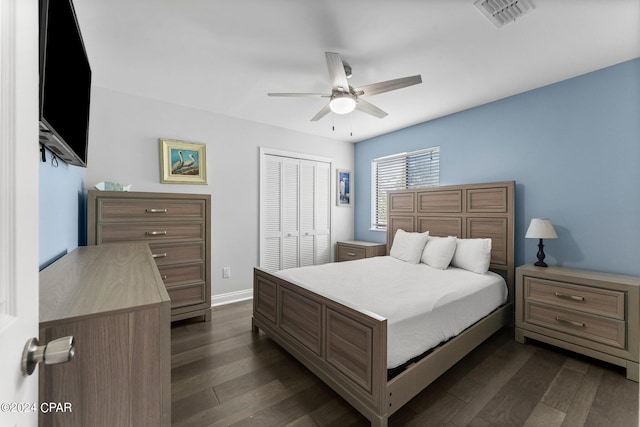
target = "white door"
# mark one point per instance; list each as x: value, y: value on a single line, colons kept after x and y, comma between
x: 290, y: 217
x: 18, y: 207
x: 315, y: 212
x: 295, y: 211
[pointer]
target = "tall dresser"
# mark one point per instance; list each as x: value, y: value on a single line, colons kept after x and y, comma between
x: 177, y: 228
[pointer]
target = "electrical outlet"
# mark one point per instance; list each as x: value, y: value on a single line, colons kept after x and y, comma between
x: 226, y: 272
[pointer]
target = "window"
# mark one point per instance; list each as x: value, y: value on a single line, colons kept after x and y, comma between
x: 401, y: 171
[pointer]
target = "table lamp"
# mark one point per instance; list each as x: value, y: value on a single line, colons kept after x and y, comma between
x: 541, y: 228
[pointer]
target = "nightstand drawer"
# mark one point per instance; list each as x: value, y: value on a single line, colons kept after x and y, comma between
x: 355, y: 249
x: 607, y: 331
x: 347, y: 253
x: 602, y: 302
x: 127, y: 210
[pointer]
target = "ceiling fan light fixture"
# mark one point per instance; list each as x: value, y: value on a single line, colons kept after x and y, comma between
x: 501, y: 12
x: 342, y: 103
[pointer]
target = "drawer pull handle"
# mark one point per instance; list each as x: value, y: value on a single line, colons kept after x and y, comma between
x: 155, y: 233
x: 351, y: 254
x: 164, y: 277
x: 156, y: 210
x: 573, y: 297
x: 571, y: 322
x: 159, y: 255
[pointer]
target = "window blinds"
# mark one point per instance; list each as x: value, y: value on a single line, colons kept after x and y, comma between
x: 401, y: 171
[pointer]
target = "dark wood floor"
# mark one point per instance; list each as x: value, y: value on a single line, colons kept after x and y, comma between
x: 225, y: 375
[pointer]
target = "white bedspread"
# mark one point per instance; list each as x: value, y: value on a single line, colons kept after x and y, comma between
x: 423, y: 306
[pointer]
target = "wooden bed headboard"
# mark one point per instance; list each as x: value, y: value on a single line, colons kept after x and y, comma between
x: 465, y: 211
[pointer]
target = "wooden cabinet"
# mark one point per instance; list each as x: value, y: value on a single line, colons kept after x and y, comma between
x: 177, y: 229
x: 111, y: 299
x: 588, y: 312
x: 353, y: 249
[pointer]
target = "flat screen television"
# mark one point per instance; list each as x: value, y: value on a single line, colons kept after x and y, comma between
x: 65, y: 83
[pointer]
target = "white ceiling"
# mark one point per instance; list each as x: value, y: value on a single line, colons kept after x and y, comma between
x: 224, y: 56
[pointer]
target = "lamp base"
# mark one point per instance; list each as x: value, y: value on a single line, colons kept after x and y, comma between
x: 540, y: 256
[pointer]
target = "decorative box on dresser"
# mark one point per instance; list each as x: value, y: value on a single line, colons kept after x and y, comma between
x: 589, y: 312
x: 177, y: 228
x: 354, y: 249
x: 112, y: 301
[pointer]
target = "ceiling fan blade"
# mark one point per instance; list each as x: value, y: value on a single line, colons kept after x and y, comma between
x: 389, y: 85
x: 303, y: 95
x: 336, y: 72
x: 367, y: 107
x: 321, y: 113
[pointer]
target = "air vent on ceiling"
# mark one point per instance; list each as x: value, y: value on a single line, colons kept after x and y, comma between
x: 502, y: 12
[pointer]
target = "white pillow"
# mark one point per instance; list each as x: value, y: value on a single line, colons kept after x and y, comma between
x: 408, y: 246
x: 439, y: 251
x: 473, y: 255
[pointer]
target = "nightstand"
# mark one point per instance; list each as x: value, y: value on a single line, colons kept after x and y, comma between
x: 353, y: 249
x: 589, y: 312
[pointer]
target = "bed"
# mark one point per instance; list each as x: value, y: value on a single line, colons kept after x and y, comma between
x: 346, y: 346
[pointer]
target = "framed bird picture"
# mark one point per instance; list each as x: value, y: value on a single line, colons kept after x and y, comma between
x: 182, y: 162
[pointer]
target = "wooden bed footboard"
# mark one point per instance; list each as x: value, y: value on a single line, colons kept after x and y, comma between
x: 343, y: 347
x: 347, y: 349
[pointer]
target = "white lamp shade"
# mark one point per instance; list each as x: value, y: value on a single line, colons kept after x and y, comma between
x: 541, y: 228
x: 342, y: 104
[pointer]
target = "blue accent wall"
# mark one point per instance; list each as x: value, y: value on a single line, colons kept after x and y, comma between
x: 62, y: 209
x: 573, y: 149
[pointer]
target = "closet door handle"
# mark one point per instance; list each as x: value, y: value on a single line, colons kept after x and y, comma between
x: 153, y: 210
x: 156, y: 233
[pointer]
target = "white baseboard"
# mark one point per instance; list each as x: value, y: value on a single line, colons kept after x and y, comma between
x: 230, y: 297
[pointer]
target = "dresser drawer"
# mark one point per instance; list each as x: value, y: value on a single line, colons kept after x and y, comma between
x: 602, y: 302
x: 347, y: 253
x: 182, y: 296
x: 127, y: 210
x: 180, y: 274
x: 175, y: 253
x: 149, y: 232
x: 604, y: 330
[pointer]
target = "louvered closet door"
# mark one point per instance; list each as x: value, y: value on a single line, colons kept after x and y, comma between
x: 271, y: 213
x: 322, y: 213
x: 296, y: 213
x: 315, y: 184
x: 290, y: 206
x: 307, y: 214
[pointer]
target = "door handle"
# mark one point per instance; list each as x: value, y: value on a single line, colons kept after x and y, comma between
x: 57, y: 351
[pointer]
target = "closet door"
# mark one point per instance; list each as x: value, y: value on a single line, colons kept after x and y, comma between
x: 271, y: 232
x: 290, y: 206
x: 307, y: 212
x: 322, y: 213
x: 296, y: 213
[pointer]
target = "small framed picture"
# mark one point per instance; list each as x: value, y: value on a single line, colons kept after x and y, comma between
x: 182, y: 162
x: 344, y: 188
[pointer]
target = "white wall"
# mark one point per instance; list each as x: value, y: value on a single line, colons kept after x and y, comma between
x: 123, y: 147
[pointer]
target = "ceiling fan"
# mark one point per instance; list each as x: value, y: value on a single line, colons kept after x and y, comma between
x: 344, y: 98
